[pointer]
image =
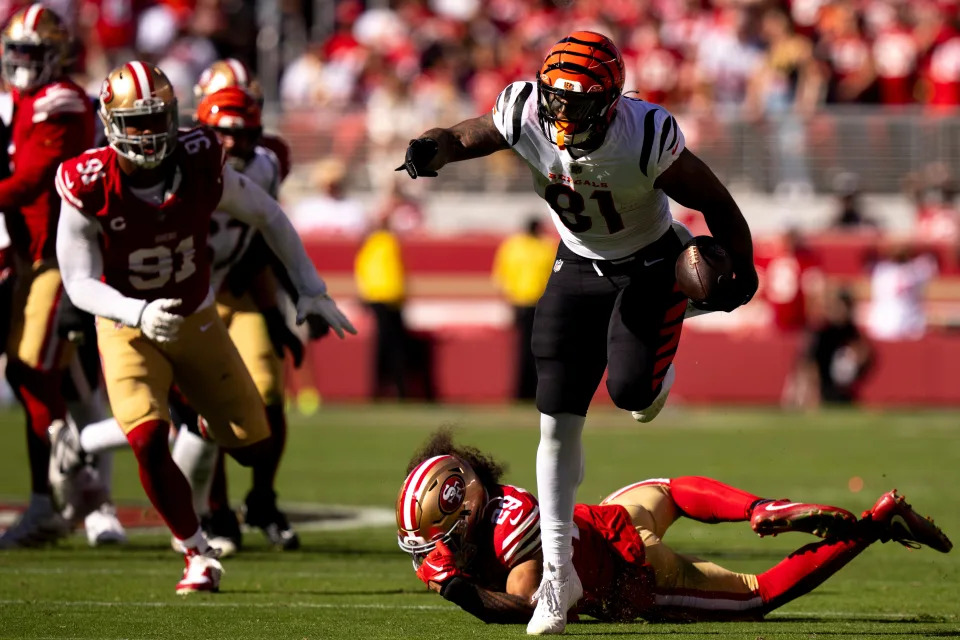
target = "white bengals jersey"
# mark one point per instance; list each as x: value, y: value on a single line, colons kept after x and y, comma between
x: 603, y: 204
x: 230, y: 238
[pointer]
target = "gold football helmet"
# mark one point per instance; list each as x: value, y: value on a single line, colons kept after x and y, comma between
x: 441, y: 500
x: 228, y: 72
x: 35, y: 45
x: 138, y: 108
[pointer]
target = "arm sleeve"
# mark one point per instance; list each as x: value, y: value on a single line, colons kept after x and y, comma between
x: 81, y: 266
x: 489, y: 606
x: 248, y: 203
x: 508, y: 110
x: 662, y: 142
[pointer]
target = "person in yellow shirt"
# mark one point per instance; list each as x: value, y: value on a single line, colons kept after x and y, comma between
x: 381, y: 283
x: 521, y: 268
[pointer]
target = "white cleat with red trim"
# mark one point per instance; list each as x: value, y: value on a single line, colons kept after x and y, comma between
x: 202, y: 572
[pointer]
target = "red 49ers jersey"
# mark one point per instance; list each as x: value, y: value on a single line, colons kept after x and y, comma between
x: 48, y: 126
x: 152, y: 251
x: 607, y: 552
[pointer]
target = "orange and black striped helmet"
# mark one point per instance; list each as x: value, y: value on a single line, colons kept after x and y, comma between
x: 579, y: 85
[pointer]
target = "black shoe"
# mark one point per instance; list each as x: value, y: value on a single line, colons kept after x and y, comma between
x: 222, y: 529
x: 262, y: 512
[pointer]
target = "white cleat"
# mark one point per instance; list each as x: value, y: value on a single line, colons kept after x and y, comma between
x: 202, y: 572
x: 651, y: 412
x: 103, y: 527
x: 40, y: 524
x: 559, y: 591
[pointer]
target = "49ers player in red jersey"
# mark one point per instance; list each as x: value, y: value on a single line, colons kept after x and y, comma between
x: 132, y: 246
x: 476, y: 541
x: 52, y: 121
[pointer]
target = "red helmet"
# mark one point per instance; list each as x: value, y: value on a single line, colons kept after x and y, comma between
x: 579, y: 86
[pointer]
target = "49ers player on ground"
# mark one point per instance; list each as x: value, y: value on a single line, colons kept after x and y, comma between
x: 132, y: 246
x: 606, y: 164
x: 477, y: 542
x: 52, y: 121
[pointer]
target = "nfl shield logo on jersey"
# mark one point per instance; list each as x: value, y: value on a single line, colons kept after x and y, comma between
x: 557, y: 265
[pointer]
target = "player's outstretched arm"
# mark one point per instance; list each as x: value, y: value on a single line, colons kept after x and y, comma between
x: 473, y: 138
x: 247, y: 202
x: 691, y: 183
x: 493, y: 607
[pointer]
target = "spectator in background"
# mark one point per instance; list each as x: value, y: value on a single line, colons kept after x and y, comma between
x: 934, y: 193
x: 792, y: 282
x: 521, y: 268
x: 834, y: 362
x: 897, y: 285
x: 381, y: 285
x: 850, y: 216
x: 329, y: 210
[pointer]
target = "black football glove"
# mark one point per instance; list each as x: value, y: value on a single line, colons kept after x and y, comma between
x: 281, y: 337
x: 419, y: 154
x: 737, y: 292
x: 75, y: 325
x: 317, y: 326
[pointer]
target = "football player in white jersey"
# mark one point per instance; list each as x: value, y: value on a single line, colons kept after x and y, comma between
x: 606, y: 165
x: 248, y: 305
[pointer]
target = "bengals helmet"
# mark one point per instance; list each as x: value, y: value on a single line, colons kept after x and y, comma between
x: 138, y: 108
x: 228, y: 72
x: 36, y: 45
x: 234, y: 114
x: 578, y: 87
x: 441, y: 500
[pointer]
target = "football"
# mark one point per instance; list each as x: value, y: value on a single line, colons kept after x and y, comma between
x: 703, y: 268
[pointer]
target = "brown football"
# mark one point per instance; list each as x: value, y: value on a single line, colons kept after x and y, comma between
x: 703, y: 269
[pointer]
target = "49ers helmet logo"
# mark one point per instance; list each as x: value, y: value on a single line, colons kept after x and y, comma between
x: 452, y: 493
x: 106, y: 92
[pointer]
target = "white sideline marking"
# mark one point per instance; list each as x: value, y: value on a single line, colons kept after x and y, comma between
x: 338, y: 518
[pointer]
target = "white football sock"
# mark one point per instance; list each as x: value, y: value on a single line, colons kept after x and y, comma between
x: 196, y: 458
x: 196, y: 541
x: 559, y: 471
x: 105, y: 435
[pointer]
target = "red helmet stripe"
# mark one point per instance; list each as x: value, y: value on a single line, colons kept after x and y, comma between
x: 240, y: 74
x: 32, y: 17
x: 413, y: 486
x: 141, y: 78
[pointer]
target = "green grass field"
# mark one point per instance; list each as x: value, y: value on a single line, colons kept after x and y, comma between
x: 357, y: 584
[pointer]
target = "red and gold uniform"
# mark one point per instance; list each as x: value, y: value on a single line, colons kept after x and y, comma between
x: 475, y: 544
x: 160, y: 251
x: 52, y: 120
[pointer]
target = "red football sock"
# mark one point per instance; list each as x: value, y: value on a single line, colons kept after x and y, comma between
x: 709, y: 500
x: 39, y: 393
x: 806, y: 568
x: 165, y: 484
